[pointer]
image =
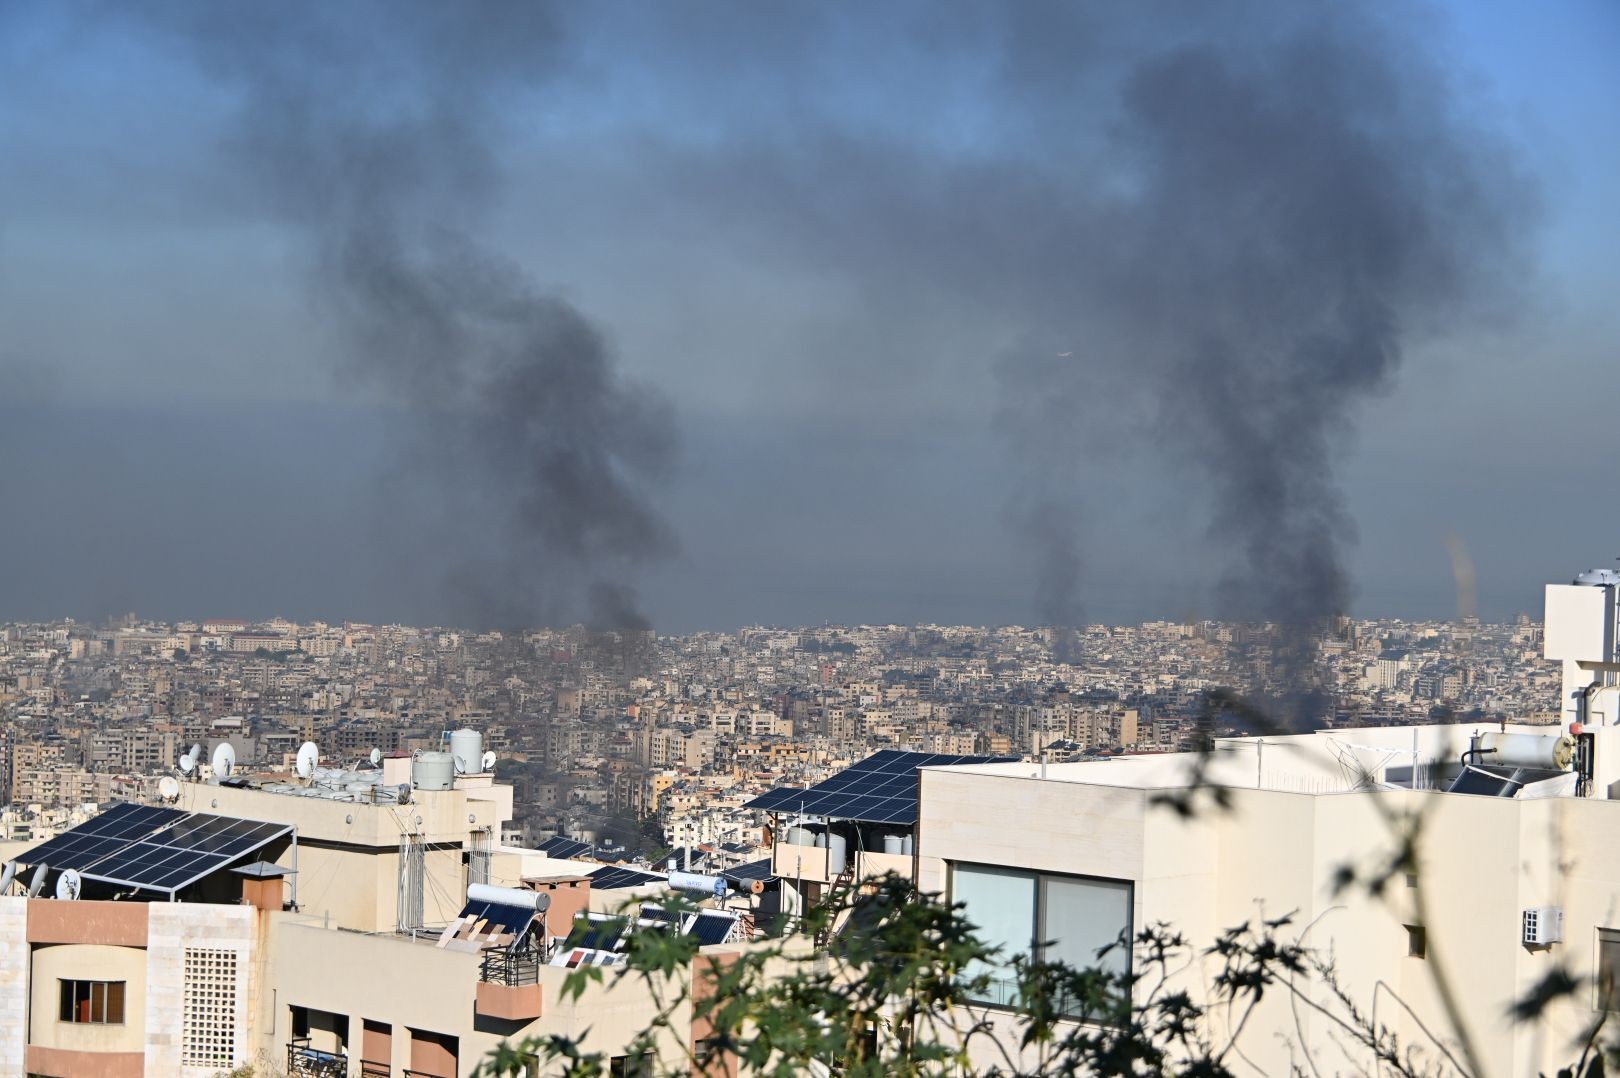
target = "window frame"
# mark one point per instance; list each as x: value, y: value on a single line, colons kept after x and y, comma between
x: 1606, y: 998
x: 108, y: 999
x: 1042, y: 937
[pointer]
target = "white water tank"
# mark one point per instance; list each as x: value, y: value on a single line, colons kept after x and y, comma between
x: 433, y: 771
x: 891, y: 845
x: 837, y: 850
x: 467, y: 746
x: 905, y: 845
x: 800, y: 836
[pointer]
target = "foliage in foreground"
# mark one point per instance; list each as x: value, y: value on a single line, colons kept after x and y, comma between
x: 893, y: 995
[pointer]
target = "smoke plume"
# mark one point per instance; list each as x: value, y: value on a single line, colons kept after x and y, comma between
x: 1298, y: 203
x: 375, y: 130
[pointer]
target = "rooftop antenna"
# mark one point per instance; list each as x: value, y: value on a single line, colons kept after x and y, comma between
x: 68, y: 885
x: 37, y: 884
x: 168, y: 789
x: 488, y: 761
x: 7, y: 875
x: 187, y: 764
x: 309, y: 754
x: 376, y: 757
x: 224, y: 760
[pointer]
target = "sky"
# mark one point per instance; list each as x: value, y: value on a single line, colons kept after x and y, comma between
x: 707, y: 314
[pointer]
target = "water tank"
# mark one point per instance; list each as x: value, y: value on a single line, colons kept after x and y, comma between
x: 891, y: 845
x: 837, y: 850
x: 467, y: 746
x: 905, y: 845
x: 799, y: 836
x: 433, y: 771
x: 821, y: 839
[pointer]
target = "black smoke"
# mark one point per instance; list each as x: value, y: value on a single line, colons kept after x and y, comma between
x: 1298, y: 201
x: 524, y: 459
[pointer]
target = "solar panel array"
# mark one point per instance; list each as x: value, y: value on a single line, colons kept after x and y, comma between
x: 100, y: 836
x: 514, y: 920
x: 614, y: 877
x: 564, y: 847
x: 710, y: 928
x: 754, y: 870
x: 879, y: 789
x: 161, y: 849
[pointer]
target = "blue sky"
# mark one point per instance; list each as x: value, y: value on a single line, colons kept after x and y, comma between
x: 797, y: 230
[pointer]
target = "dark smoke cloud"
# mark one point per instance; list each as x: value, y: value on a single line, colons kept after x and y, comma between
x: 1296, y: 206
x: 375, y: 129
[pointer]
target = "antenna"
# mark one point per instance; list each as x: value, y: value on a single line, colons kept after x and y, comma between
x: 37, y: 884
x: 488, y: 762
x: 7, y: 875
x: 168, y: 789
x: 68, y: 885
x: 376, y: 757
x: 224, y: 760
x: 187, y: 764
x: 309, y: 754
x: 196, y: 751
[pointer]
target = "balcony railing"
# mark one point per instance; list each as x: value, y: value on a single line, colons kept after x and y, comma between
x: 508, y: 968
x: 306, y: 1062
x: 370, y: 1068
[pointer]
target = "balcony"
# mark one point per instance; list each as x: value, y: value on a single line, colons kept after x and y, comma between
x: 306, y: 1062
x: 509, y: 986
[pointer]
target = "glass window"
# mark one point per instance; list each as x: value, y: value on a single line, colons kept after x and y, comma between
x: 1071, y: 919
x: 98, y: 1002
x: 1608, y: 978
x: 1079, y: 918
x: 1000, y: 903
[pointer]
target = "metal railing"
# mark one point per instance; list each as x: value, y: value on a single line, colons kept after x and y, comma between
x: 370, y: 1068
x: 306, y: 1062
x: 509, y: 968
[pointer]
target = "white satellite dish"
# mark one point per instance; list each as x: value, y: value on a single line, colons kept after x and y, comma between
x: 168, y: 789
x: 196, y: 752
x: 7, y: 875
x: 37, y: 884
x: 68, y: 885
x: 224, y: 760
x: 308, y: 756
x: 488, y: 762
x: 188, y: 764
x: 376, y: 757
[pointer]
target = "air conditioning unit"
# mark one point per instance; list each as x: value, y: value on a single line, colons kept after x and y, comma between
x: 1543, y: 925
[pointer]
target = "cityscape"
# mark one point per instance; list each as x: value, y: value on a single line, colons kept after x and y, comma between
x: 657, y: 741
x: 818, y: 539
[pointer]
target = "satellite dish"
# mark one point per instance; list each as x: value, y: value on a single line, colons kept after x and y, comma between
x: 404, y: 793
x: 460, y: 767
x: 488, y: 762
x: 188, y: 764
x: 168, y: 789
x: 196, y: 752
x: 7, y: 875
x: 224, y: 760
x: 68, y: 885
x: 308, y: 756
x: 376, y: 757
x: 37, y: 884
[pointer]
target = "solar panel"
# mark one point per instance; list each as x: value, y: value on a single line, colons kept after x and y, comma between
x: 510, y: 919
x: 564, y: 847
x: 186, y: 852
x: 100, y: 836
x: 711, y: 928
x: 597, y: 934
x: 613, y: 877
x: 754, y: 870
x: 879, y: 789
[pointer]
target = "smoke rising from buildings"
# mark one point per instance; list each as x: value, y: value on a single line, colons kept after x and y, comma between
x: 1299, y: 203
x: 375, y: 130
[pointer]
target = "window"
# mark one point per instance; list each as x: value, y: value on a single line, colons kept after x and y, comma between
x: 98, y: 1002
x: 1067, y: 919
x: 1417, y: 941
x: 1608, y: 966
